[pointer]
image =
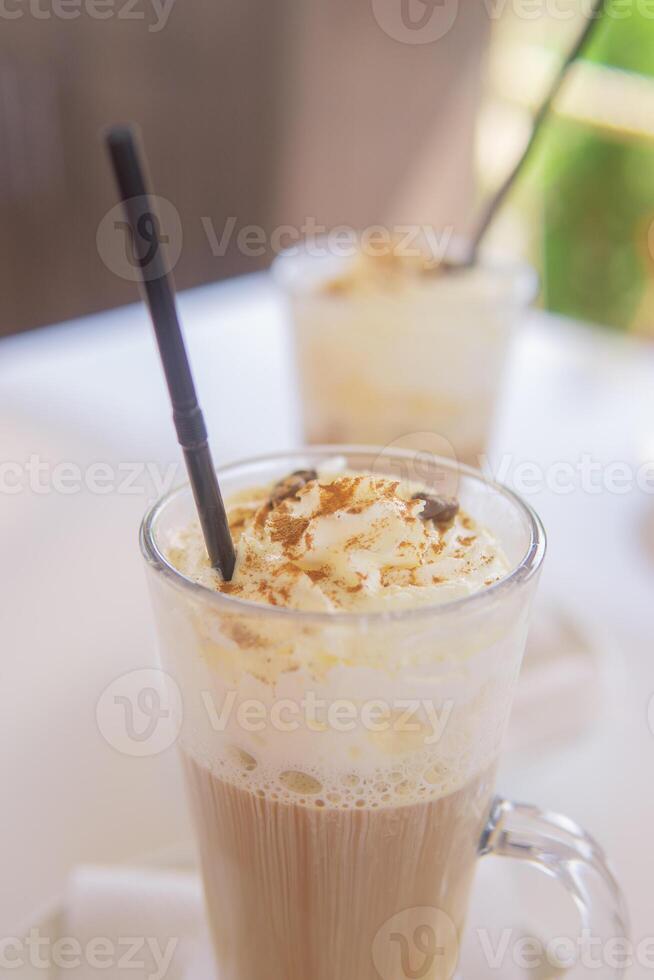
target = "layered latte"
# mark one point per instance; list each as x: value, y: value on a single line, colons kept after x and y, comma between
x: 342, y: 722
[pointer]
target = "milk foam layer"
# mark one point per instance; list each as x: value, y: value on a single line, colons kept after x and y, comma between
x: 431, y: 737
x: 444, y: 687
x: 417, y: 755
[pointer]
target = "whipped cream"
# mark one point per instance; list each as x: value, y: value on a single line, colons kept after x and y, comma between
x: 338, y: 541
x: 392, y: 343
x: 345, y: 542
x: 386, y: 270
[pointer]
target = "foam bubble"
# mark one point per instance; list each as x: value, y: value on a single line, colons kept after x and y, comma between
x: 418, y: 778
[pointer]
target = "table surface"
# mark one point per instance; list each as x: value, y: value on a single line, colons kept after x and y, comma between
x: 75, y: 609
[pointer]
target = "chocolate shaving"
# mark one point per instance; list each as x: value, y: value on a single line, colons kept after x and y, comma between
x: 291, y: 485
x: 437, y: 509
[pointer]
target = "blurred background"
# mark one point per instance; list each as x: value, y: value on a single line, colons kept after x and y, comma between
x: 585, y: 207
x: 265, y: 112
x: 274, y: 112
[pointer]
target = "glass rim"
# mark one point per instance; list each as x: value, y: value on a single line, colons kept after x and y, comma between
x: 489, y: 260
x: 520, y: 573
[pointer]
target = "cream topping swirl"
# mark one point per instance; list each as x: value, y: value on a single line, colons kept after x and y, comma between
x: 345, y: 542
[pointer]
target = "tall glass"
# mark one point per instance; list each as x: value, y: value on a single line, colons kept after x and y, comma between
x: 341, y: 767
x: 376, y: 363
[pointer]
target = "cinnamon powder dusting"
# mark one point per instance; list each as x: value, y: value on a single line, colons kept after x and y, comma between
x: 262, y: 515
x: 352, y: 541
x: 287, y: 530
x: 338, y: 495
x: 242, y: 635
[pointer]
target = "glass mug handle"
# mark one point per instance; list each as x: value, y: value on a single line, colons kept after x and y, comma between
x: 564, y: 851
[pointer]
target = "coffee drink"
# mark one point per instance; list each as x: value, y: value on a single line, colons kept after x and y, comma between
x: 389, y: 344
x: 302, y: 889
x: 345, y: 698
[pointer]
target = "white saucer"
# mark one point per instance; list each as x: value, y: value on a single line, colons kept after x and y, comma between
x: 502, y: 892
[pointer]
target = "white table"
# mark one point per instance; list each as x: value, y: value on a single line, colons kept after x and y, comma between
x: 75, y: 608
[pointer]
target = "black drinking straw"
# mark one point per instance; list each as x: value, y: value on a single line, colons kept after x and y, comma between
x: 160, y: 297
x: 496, y: 202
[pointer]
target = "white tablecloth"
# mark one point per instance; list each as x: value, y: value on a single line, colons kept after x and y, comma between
x: 75, y: 608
